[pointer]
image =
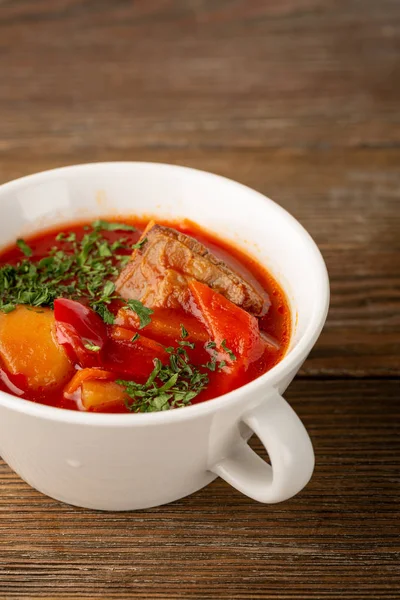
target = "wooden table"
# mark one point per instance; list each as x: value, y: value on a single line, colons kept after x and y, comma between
x: 299, y: 99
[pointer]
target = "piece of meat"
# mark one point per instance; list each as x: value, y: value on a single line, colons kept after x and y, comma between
x: 160, y: 269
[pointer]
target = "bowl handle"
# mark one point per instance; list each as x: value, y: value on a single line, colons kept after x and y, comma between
x: 288, y: 445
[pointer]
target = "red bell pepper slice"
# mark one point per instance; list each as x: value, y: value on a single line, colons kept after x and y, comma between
x: 130, y: 356
x: 81, y: 331
x: 234, y: 331
x: 165, y: 326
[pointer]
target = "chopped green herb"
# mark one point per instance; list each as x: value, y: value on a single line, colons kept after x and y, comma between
x: 168, y: 386
x: 108, y: 291
x: 82, y: 269
x: 190, y: 345
x: 142, y: 312
x: 184, y: 332
x: 123, y: 260
x: 231, y: 355
x: 111, y: 226
x: 211, y: 365
x: 105, y: 313
x: 7, y: 308
x: 92, y: 347
x: 139, y: 245
x: 121, y: 243
x: 104, y: 250
x: 23, y: 246
x: 135, y: 337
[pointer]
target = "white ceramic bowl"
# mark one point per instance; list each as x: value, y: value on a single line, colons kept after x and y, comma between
x: 134, y: 461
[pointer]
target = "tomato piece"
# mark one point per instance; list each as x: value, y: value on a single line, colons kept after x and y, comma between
x: 85, y: 375
x: 165, y: 325
x: 74, y: 347
x: 132, y: 359
x: 234, y: 331
x: 81, y: 331
x: 85, y: 320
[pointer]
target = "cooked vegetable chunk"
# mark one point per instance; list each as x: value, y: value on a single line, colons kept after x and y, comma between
x: 28, y: 347
x: 85, y: 375
x: 166, y: 325
x: 95, y: 389
x: 100, y: 395
x: 235, y: 333
x: 81, y: 331
x: 130, y: 355
x: 166, y: 260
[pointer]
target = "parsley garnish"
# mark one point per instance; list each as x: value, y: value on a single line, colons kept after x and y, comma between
x: 92, y: 347
x: 107, y: 293
x: 7, y: 308
x: 231, y: 355
x: 77, y: 269
x: 183, y: 342
x: 142, y: 312
x: 135, y: 337
x: 23, y: 246
x: 211, y: 365
x: 190, y: 345
x: 105, y: 313
x: 111, y: 226
x: 138, y: 245
x: 168, y: 386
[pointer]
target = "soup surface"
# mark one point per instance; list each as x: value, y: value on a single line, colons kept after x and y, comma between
x: 134, y: 317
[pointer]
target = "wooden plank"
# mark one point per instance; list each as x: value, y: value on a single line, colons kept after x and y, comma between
x: 338, y: 538
x: 298, y: 73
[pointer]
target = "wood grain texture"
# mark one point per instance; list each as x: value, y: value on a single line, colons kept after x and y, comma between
x: 300, y: 100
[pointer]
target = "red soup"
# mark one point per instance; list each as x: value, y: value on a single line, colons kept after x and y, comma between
x: 134, y: 317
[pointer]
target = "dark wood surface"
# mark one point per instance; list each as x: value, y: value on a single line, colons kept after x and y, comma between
x: 301, y: 100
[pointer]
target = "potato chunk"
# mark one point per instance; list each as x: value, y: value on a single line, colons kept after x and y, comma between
x: 100, y: 395
x: 28, y: 347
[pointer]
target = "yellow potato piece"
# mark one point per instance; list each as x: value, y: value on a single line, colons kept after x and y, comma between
x: 97, y: 394
x: 28, y: 346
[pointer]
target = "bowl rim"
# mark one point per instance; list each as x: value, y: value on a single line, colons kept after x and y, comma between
x: 268, y: 380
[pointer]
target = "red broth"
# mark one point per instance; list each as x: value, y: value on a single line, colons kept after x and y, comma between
x: 276, y: 324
